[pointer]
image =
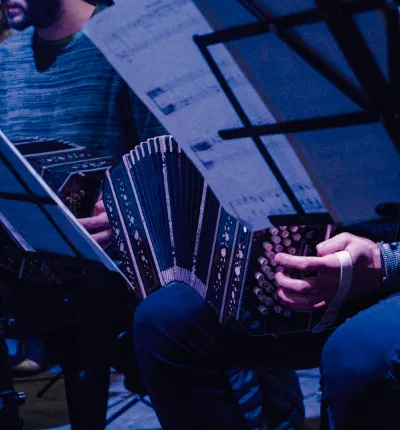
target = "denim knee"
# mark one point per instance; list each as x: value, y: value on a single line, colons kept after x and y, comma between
x: 359, y: 370
x: 354, y: 358
x: 173, y: 318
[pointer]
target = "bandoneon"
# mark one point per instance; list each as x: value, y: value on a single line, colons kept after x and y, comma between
x: 171, y: 228
x: 76, y: 175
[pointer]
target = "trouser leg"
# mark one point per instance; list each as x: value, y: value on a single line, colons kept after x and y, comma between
x: 85, y: 354
x: 361, y: 369
x: 177, y: 341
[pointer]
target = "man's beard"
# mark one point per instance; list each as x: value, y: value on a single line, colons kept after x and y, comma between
x: 39, y: 13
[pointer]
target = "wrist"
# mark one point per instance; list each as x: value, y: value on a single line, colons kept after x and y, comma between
x: 377, y: 259
x: 376, y: 268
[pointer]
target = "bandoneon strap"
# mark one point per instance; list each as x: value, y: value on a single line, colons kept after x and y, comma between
x: 346, y: 277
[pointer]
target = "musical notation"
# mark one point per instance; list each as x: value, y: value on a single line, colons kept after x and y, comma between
x: 206, y: 87
x: 150, y: 43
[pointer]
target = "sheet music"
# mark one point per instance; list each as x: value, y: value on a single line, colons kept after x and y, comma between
x: 150, y: 43
x: 354, y: 168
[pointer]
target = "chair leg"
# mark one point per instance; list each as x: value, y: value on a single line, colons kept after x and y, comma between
x: 324, y: 423
x: 48, y: 386
x: 136, y: 399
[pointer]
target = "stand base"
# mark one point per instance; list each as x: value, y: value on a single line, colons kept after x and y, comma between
x: 9, y: 400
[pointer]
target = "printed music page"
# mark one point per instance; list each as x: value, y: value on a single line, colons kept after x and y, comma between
x: 150, y: 43
x: 355, y: 168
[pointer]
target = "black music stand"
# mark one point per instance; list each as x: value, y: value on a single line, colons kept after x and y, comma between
x: 37, y: 221
x: 40, y: 228
x: 360, y: 77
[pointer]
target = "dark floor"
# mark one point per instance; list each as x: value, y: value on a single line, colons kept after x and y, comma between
x: 50, y: 412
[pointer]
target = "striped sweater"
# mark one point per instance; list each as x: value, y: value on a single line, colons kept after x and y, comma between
x: 68, y: 92
x: 390, y: 253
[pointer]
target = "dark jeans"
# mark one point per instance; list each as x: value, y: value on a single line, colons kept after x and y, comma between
x: 184, y: 353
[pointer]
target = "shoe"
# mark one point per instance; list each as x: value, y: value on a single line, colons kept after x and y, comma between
x: 27, y: 368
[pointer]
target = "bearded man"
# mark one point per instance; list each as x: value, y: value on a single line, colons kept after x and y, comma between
x: 56, y: 85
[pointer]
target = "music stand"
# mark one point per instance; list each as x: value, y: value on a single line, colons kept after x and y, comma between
x: 372, y: 91
x: 41, y: 228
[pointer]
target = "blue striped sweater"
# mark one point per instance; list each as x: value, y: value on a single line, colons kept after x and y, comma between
x: 74, y: 95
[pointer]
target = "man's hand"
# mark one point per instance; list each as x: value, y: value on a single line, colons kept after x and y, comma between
x: 311, y: 294
x: 98, y: 225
